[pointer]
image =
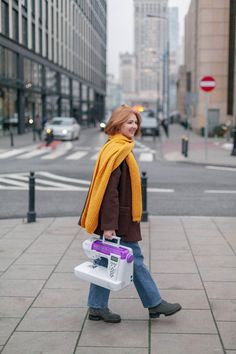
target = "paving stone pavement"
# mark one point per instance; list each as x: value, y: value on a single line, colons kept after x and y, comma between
x: 43, y: 305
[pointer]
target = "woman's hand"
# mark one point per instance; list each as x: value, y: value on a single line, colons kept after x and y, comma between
x: 108, y: 234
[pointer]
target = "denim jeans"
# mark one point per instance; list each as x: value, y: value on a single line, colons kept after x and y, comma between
x: 143, y: 281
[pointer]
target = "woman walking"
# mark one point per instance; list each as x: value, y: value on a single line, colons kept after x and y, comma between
x: 114, y: 208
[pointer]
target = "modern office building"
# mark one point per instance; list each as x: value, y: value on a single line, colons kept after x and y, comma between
x: 128, y: 77
x: 114, y: 96
x: 151, y: 51
x: 52, y: 60
x: 210, y: 51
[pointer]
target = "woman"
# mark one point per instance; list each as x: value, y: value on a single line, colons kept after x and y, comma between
x: 114, y: 208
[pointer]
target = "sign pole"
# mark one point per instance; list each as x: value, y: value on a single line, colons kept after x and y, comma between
x: 206, y: 125
x: 207, y: 84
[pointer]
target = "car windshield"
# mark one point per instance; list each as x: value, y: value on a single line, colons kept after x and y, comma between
x: 147, y: 114
x: 61, y: 121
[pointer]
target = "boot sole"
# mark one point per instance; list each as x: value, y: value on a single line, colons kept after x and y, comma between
x: 99, y: 318
x: 157, y: 314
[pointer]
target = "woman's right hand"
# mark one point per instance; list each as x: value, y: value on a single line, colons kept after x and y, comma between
x: 108, y: 234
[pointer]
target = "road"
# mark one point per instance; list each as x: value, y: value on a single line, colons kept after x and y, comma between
x: 63, y: 176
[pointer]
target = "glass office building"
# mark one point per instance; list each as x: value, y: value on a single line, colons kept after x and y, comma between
x: 52, y: 60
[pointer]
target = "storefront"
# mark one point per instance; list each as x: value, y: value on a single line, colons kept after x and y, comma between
x: 32, y: 93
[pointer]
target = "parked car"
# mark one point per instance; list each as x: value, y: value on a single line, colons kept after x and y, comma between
x: 149, y: 124
x: 64, y: 128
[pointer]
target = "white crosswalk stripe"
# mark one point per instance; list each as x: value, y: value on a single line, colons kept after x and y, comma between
x: 34, y: 153
x: 77, y: 155
x: 146, y: 156
x: 12, y: 153
x: 47, y: 181
x: 68, y: 153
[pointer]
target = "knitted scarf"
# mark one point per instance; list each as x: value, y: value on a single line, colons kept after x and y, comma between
x: 117, y: 149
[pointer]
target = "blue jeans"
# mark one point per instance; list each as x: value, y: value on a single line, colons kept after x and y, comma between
x: 143, y: 281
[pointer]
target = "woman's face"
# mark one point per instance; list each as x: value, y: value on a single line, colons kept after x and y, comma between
x: 129, y: 127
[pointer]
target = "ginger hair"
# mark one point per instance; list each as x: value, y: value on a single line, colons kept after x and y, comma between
x: 119, y: 116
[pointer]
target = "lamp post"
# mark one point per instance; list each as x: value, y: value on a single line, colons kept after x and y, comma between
x: 166, y: 60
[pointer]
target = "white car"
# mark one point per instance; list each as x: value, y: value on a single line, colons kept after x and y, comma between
x: 63, y: 128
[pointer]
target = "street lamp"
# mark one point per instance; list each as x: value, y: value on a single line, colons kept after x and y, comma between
x: 166, y: 60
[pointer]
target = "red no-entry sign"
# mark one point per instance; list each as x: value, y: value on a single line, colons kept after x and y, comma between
x: 207, y: 83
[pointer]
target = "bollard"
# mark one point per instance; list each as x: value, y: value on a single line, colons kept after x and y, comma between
x: 182, y: 145
x: 186, y: 147
x: 11, y: 138
x: 144, y: 196
x: 31, y: 215
x: 233, y: 153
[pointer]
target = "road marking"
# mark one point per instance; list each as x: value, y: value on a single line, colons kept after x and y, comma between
x: 13, y: 183
x: 221, y: 168
x: 19, y: 181
x: 77, y: 155
x: 60, y: 151
x: 94, y: 157
x: 34, y: 153
x: 146, y: 156
x: 160, y: 190
x: 220, y: 191
x: 61, y: 178
x: 14, y: 152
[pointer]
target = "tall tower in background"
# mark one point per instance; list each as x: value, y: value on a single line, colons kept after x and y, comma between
x: 173, y: 13
x: 151, y: 34
x: 128, y: 77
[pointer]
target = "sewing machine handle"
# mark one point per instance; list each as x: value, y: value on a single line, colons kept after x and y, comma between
x: 104, y: 240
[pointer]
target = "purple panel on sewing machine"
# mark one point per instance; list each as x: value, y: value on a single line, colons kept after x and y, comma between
x: 104, y: 248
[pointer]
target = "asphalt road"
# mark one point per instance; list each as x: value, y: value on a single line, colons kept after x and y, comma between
x: 63, y: 178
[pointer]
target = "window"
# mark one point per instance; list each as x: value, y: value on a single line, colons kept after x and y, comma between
x: 33, y: 7
x: 5, y: 18
x: 15, y: 32
x: 8, y: 64
x: 40, y: 42
x: 24, y: 31
x: 33, y: 36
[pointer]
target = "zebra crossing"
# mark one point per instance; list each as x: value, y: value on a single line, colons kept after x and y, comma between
x: 71, y: 153
x: 47, y: 181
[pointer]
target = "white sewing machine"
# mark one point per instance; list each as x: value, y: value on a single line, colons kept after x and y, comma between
x: 119, y: 272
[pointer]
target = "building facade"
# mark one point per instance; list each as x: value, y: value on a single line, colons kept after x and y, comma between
x: 151, y: 46
x: 128, y: 77
x: 52, y: 60
x: 209, y: 41
x: 114, y: 96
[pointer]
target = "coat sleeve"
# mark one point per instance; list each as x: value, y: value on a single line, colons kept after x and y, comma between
x: 109, y: 211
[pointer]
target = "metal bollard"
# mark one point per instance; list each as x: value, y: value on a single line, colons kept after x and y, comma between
x: 186, y: 147
x: 12, y: 138
x: 233, y: 153
x: 31, y: 215
x: 144, y: 196
x: 182, y: 145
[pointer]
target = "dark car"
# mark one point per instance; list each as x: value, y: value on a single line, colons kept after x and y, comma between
x: 149, y: 124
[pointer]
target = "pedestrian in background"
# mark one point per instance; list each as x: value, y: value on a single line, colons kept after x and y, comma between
x: 164, y: 123
x: 38, y: 126
x: 114, y: 208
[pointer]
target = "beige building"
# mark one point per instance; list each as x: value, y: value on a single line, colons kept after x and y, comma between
x: 207, y: 52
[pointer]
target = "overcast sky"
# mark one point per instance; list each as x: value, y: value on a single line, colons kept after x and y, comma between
x: 120, y: 29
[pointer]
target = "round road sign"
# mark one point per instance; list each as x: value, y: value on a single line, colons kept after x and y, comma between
x: 207, y: 83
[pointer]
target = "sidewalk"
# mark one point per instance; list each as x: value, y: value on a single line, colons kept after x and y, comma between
x: 218, y: 150
x: 43, y: 305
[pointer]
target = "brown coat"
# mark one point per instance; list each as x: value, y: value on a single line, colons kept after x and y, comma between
x: 116, y: 209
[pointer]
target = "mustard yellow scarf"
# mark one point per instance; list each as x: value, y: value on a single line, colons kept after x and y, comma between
x: 117, y: 149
